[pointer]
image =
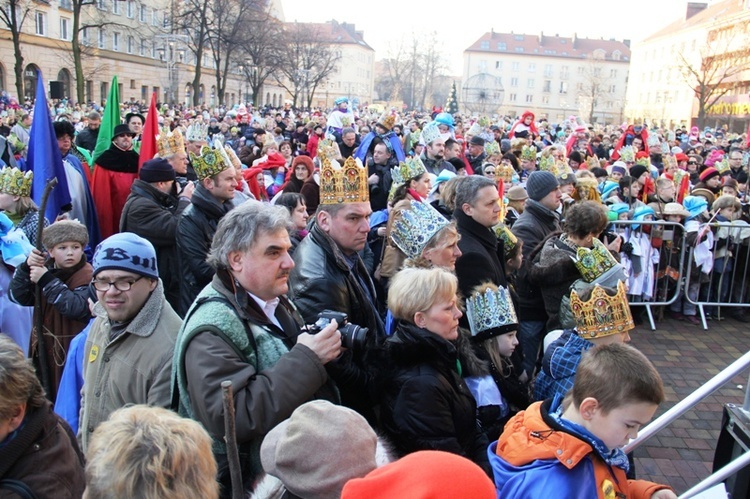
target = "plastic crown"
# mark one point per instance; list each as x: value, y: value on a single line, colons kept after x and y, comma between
x: 594, y: 262
x: 16, y: 182
x: 643, y: 162
x: 407, y: 170
x: 603, y: 314
x: 197, y: 132
x: 722, y: 166
x: 343, y: 184
x: 528, y: 153
x: 430, y: 132
x: 416, y: 227
x: 387, y: 121
x: 474, y: 129
x: 490, y: 312
x: 210, y: 162
x: 503, y: 233
x: 548, y: 164
x: 169, y: 143
x: 491, y: 147
x: 627, y: 154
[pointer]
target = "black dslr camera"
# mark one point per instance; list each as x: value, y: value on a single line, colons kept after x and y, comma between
x: 353, y: 337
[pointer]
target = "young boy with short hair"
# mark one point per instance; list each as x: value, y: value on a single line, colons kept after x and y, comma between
x: 570, y: 447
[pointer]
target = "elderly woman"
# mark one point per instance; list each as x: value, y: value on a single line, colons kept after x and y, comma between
x: 554, y: 269
x: 425, y: 405
x: 38, y: 450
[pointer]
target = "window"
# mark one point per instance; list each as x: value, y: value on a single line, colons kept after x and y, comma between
x: 153, y: 51
x: 563, y: 72
x: 116, y: 9
x: 616, y: 55
x: 529, y: 98
x: 513, y: 98
x: 102, y: 43
x: 131, y: 46
x: 518, y: 37
x: 530, y: 83
x: 66, y: 4
x: 613, y: 73
x: 547, y: 86
x: 64, y: 29
x: 545, y: 99
x: 516, y: 66
x: 142, y: 50
x: 579, y: 86
x: 581, y: 70
x: 482, y: 66
x: 548, y: 70
x: 519, y: 49
x: 40, y: 23
x: 499, y: 65
x: 514, y: 82
x: 532, y: 68
x: 142, y: 13
x: 154, y: 18
x: 85, y: 37
x: 502, y: 46
x: 131, y: 9
x: 116, y: 41
x: 563, y: 87
x: 484, y: 45
x: 612, y: 89
x: 101, y: 4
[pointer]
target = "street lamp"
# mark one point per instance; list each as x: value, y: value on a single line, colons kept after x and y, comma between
x: 171, y: 53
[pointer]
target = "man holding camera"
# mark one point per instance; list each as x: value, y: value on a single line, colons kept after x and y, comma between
x: 243, y: 329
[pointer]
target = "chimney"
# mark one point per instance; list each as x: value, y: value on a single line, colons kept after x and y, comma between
x: 541, y: 38
x: 575, y: 39
x: 693, y: 8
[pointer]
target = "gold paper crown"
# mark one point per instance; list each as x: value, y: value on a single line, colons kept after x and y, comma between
x: 627, y: 154
x: 233, y: 159
x: 603, y: 314
x: 723, y: 165
x: 15, y: 182
x: 327, y: 151
x: 528, y: 152
x: 387, y: 121
x: 503, y: 233
x: 670, y: 160
x: 210, y: 162
x: 347, y: 184
x: 587, y: 189
x: 506, y: 172
x: 643, y: 162
x: 547, y: 163
x: 407, y: 170
x: 491, y: 147
x: 474, y: 129
x: 169, y: 143
x: 592, y: 162
x: 593, y: 262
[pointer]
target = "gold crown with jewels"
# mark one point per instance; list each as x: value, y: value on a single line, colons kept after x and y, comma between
x: 169, y: 143
x: 593, y: 262
x: 343, y: 184
x: 602, y: 314
x: 528, y: 153
x: 16, y: 182
x: 210, y: 162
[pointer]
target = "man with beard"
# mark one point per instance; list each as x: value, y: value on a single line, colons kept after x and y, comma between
x: 349, y: 142
x: 433, y: 156
x: 114, y: 173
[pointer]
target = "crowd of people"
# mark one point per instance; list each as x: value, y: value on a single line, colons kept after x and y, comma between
x: 406, y: 305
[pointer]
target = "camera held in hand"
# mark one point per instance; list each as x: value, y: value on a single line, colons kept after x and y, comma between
x: 353, y: 337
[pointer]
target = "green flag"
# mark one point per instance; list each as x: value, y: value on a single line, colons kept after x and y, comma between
x: 110, y: 119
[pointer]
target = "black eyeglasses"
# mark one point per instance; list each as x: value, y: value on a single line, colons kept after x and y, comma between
x: 692, y: 162
x: 120, y: 285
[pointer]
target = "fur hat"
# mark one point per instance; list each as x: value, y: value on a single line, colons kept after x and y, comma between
x: 126, y: 251
x: 539, y: 184
x: 65, y: 231
x: 674, y: 209
x: 318, y: 449
x: 422, y: 475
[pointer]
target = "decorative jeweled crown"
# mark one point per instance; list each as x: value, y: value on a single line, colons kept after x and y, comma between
x: 595, y: 261
x: 430, y: 132
x: 548, y: 164
x: 387, y: 120
x: 528, y: 152
x: 491, y: 147
x: 327, y: 150
x: 504, y: 234
x: 197, y: 132
x: 592, y: 162
x: 343, y: 184
x: 484, y: 121
x: 474, y: 129
x: 603, y: 314
x: 643, y: 162
x: 210, y: 162
x: 169, y: 143
x: 723, y: 165
x: 233, y: 158
x: 677, y: 177
x: 415, y: 227
x: 490, y: 312
x: 670, y: 160
x: 16, y: 182
x: 627, y: 154
x: 408, y: 169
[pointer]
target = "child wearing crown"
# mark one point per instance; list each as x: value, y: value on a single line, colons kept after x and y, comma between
x: 569, y: 446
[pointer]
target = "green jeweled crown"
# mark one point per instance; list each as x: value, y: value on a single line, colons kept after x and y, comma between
x: 548, y: 164
x: 643, y: 162
x: 627, y: 154
x: 490, y: 312
x: 415, y: 227
x: 407, y: 170
x: 595, y: 261
x: 723, y: 165
x: 503, y: 233
x: 16, y: 182
x: 491, y: 147
x: 210, y: 162
x: 528, y: 152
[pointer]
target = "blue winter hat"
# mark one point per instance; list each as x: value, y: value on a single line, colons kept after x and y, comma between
x: 444, y: 176
x: 641, y: 213
x: 695, y: 205
x: 126, y: 251
x: 608, y: 187
x: 444, y: 119
x: 341, y: 100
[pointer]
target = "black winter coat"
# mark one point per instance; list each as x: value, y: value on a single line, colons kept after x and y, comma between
x: 480, y: 259
x: 195, y: 231
x: 425, y: 403
x: 154, y: 215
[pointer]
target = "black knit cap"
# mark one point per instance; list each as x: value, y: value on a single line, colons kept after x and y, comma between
x: 157, y: 170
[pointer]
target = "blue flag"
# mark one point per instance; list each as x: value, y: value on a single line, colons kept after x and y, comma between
x: 44, y: 157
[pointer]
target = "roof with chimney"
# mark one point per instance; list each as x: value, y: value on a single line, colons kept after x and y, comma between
x: 698, y: 14
x: 550, y: 46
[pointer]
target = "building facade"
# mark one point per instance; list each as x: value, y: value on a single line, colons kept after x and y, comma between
x: 553, y: 76
x: 706, y: 48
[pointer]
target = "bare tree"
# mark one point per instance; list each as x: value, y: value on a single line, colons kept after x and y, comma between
x: 433, y: 66
x: 593, y: 88
x: 307, y: 61
x: 715, y: 70
x: 194, y: 18
x: 261, y: 52
x: 12, y: 16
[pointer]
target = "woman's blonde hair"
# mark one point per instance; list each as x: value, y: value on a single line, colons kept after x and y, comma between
x: 150, y: 453
x: 415, y: 290
x: 18, y: 382
x: 442, y: 236
x: 24, y: 205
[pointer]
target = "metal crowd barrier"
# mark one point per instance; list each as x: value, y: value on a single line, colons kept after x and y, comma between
x: 727, y: 284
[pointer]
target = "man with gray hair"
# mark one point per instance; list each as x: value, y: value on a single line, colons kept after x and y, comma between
x: 242, y: 328
x: 477, y: 210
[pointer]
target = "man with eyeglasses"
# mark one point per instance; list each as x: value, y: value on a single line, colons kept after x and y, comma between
x: 735, y: 162
x: 128, y: 353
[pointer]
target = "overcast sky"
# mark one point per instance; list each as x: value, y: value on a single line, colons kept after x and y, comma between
x: 460, y: 26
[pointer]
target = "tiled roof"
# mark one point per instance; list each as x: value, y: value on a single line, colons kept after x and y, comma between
x: 708, y: 15
x: 336, y: 32
x: 549, y: 46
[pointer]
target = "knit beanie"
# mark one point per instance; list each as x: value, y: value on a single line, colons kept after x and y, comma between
x: 637, y: 170
x: 709, y: 173
x: 126, y: 251
x: 156, y: 170
x: 423, y: 475
x: 319, y: 449
x: 620, y: 167
x: 539, y: 184
x: 65, y: 231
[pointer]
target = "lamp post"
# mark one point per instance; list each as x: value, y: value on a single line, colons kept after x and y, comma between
x: 172, y: 54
